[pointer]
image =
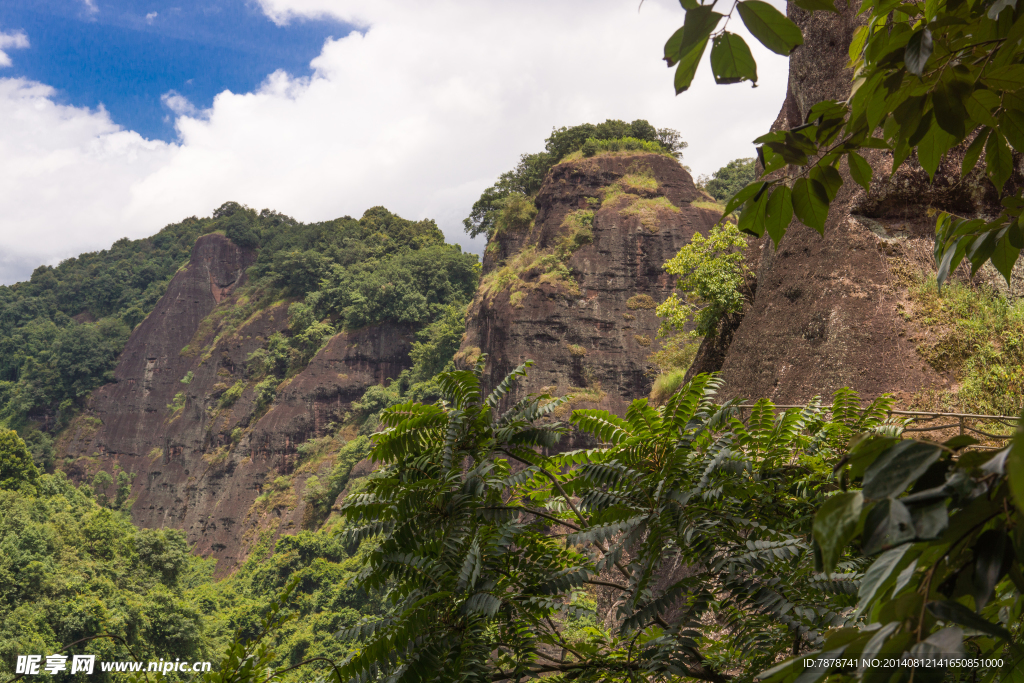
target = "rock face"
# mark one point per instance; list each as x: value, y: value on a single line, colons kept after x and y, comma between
x: 591, y: 332
x: 827, y: 309
x: 190, y: 472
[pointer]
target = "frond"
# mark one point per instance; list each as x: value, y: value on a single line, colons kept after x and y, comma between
x: 645, y: 420
x: 461, y: 387
x: 602, y: 424
x: 505, y: 386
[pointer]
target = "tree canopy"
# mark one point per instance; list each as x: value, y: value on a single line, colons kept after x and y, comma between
x: 527, y: 176
x: 730, y: 179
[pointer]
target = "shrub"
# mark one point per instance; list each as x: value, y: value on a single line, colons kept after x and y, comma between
x: 641, y: 301
x: 676, y: 353
x: 577, y: 351
x: 594, y: 146
x: 710, y: 271
x: 666, y: 384
x: 264, y: 393
x: 642, y: 340
x: 647, y: 209
x: 517, y: 212
x: 177, y: 403
x: 229, y: 397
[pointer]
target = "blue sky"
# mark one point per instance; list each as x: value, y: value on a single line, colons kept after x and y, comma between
x: 127, y: 54
x: 419, y: 110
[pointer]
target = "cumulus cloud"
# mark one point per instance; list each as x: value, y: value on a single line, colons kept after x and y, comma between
x: 90, y: 6
x: 16, y: 40
x: 67, y: 178
x: 151, y: 17
x: 418, y: 111
x: 178, y: 103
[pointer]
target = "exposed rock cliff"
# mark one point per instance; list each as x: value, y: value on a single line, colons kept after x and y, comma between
x: 827, y: 312
x: 199, y: 462
x: 576, y: 292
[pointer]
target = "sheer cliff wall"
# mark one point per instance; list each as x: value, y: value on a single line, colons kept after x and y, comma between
x: 590, y: 327
x: 200, y: 467
x: 830, y: 311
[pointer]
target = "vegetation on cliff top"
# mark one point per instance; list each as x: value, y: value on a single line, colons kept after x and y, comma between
x: 528, y: 175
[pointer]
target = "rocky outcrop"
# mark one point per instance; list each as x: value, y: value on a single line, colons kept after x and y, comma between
x: 827, y: 309
x: 591, y: 326
x: 199, y: 462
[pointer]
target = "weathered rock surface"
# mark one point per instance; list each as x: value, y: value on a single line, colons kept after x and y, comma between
x: 826, y: 313
x: 597, y: 337
x: 189, y: 473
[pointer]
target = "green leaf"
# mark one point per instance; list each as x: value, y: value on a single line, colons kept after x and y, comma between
x: 898, y: 467
x: 865, y: 449
x: 1010, y: 77
x: 771, y: 27
x: 698, y: 25
x: 887, y: 525
x: 980, y: 104
x: 998, y: 160
x: 829, y: 178
x: 742, y: 196
x: 860, y: 170
x: 949, y: 110
x: 687, y: 68
x: 779, y: 213
x: 1005, y: 256
x: 1015, y: 466
x: 998, y: 6
x: 989, y: 552
x: 791, y: 154
x: 810, y: 203
x: 973, y: 153
x: 947, y: 610
x: 932, y: 148
x: 918, y: 50
x: 930, y: 521
x: 1011, y: 125
x: 860, y: 37
x: 687, y: 45
x: 877, y: 575
x: 731, y: 61
x: 980, y: 250
x: 951, y: 258
x: 751, y: 219
x: 835, y: 524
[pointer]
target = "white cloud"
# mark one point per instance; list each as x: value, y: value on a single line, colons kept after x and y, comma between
x: 419, y: 112
x: 151, y: 17
x: 178, y: 103
x: 17, y: 40
x: 90, y: 6
x: 67, y: 178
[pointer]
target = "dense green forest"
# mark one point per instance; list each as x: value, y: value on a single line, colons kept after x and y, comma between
x: 61, y: 332
x: 696, y: 540
x: 72, y: 566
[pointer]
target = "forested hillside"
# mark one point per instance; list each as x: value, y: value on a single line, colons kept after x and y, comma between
x: 325, y: 450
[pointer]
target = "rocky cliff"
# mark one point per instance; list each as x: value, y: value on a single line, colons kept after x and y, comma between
x: 832, y: 311
x: 200, y: 461
x: 576, y: 290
